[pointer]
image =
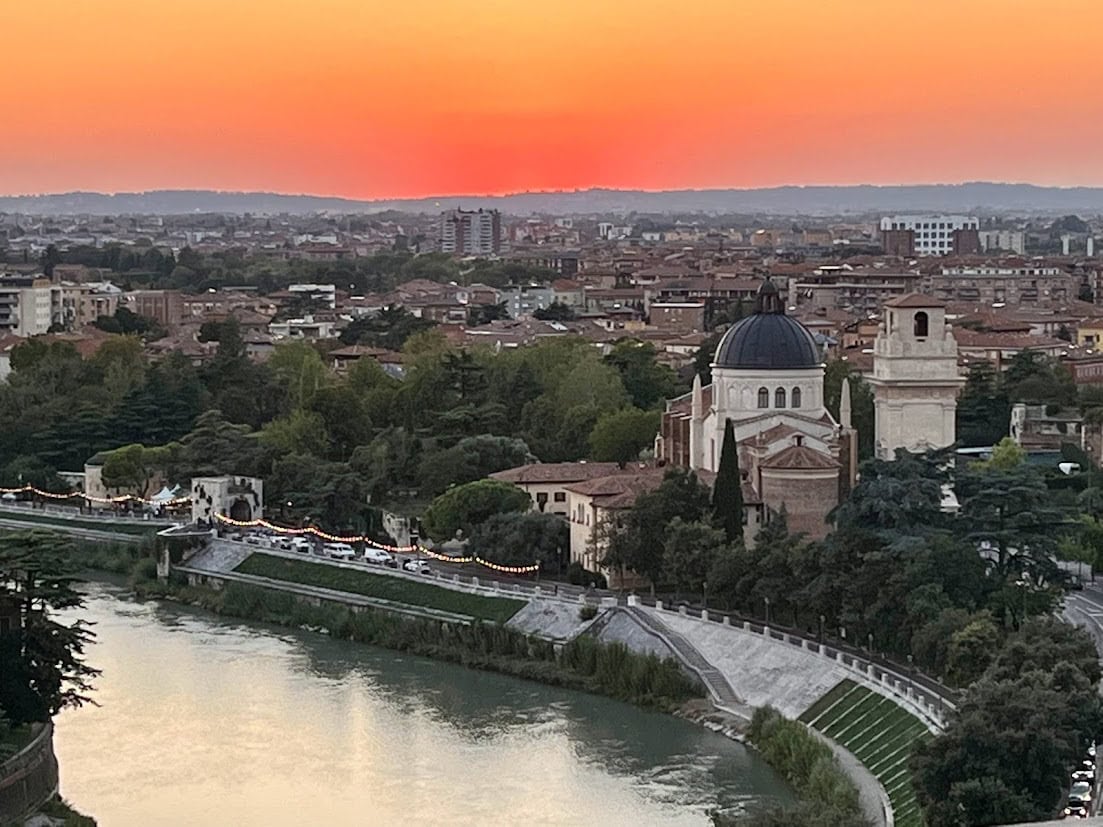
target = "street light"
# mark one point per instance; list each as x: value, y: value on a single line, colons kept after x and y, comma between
x: 869, y: 637
x: 822, y: 619
x: 767, y: 610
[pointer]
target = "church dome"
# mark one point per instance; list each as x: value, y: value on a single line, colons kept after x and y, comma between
x: 767, y: 340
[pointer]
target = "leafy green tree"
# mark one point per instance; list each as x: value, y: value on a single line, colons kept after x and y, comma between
x: 702, y: 359
x: 647, y: 382
x: 727, y: 491
x: 300, y: 432
x: 690, y: 552
x: 631, y: 543
x: 1033, y: 377
x: 390, y: 328
x: 983, y: 410
x: 133, y: 468
x: 486, y: 313
x: 44, y: 671
x: 901, y: 497
x: 465, y: 506
x: 216, y: 446
x: 470, y: 459
x: 971, y: 650
x: 555, y: 312
x: 620, y: 436
x: 345, y: 418
x: 300, y: 370
x: 389, y: 463
x: 522, y: 539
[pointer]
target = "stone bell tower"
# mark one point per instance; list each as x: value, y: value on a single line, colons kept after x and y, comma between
x: 915, y: 377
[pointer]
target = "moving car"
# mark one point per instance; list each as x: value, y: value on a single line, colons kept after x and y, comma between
x: 1074, y: 811
x: 1081, y: 793
x: 1083, y: 775
x: 377, y: 556
x: 341, y: 551
x: 416, y: 566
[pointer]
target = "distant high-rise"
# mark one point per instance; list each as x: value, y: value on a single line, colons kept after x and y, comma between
x: 471, y: 232
x: 934, y: 234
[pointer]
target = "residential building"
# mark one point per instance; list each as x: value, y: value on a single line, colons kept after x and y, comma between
x: 546, y: 482
x: 1017, y: 282
x: 678, y: 317
x: 1043, y: 428
x: 27, y: 305
x: 934, y: 234
x: 1003, y: 241
x: 322, y: 295
x: 166, y: 307
x: 471, y: 232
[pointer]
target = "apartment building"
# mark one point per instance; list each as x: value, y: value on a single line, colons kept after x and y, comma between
x: 934, y: 235
x: 471, y: 232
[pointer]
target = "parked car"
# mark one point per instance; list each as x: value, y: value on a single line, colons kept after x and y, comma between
x: 300, y: 544
x: 341, y: 551
x: 1081, y: 793
x: 377, y: 556
x: 254, y: 540
x: 284, y: 544
x: 1074, y: 811
x: 416, y: 566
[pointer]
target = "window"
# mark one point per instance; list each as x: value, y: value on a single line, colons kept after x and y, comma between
x: 763, y: 398
x: 541, y: 500
x: 560, y: 496
x: 779, y: 398
x: 794, y: 398
x: 921, y: 325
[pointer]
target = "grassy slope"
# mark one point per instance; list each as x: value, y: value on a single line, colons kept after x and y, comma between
x: 881, y: 735
x: 118, y: 527
x: 384, y: 587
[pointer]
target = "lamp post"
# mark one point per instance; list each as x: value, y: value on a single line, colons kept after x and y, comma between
x: 822, y: 619
x: 705, y: 594
x: 869, y: 637
x: 767, y: 610
x: 911, y: 672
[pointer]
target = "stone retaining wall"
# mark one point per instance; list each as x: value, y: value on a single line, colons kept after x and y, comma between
x: 29, y: 778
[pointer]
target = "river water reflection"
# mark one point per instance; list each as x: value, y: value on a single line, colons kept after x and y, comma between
x: 205, y: 721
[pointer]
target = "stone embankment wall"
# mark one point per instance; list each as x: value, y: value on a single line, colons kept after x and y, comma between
x: 29, y: 778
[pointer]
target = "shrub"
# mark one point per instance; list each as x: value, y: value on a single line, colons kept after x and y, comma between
x: 579, y: 576
x: 587, y: 612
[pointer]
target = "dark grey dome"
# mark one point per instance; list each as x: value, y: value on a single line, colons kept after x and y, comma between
x: 768, y: 340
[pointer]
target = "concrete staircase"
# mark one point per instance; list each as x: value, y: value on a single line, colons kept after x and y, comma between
x: 717, y: 685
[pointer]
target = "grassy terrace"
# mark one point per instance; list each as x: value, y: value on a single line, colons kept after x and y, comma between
x: 382, y: 586
x: 56, y: 521
x: 881, y: 735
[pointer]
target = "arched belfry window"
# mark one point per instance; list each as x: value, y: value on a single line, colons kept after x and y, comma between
x: 763, y: 398
x: 794, y: 398
x: 922, y: 324
x: 779, y: 398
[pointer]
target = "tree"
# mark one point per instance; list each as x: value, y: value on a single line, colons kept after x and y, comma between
x: 466, y: 506
x: 486, y: 313
x: 631, y: 542
x: 470, y: 459
x: 1007, y: 455
x: 44, y: 671
x: 620, y: 436
x: 133, y: 468
x: 522, y: 539
x: 647, y: 382
x: 727, y: 491
x: 901, y: 497
x: 555, y: 312
x: 983, y: 410
x: 690, y: 551
x: 300, y: 370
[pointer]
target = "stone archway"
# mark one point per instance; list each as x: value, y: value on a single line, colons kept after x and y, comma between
x: 240, y: 510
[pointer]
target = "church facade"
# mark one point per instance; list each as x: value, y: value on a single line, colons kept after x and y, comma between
x: 767, y: 380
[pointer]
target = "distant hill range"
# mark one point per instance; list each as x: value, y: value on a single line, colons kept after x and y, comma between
x: 970, y: 197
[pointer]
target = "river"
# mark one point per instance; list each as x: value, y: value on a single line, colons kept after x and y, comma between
x: 208, y: 721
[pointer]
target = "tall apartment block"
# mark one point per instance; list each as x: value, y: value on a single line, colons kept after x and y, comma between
x: 471, y: 232
x: 934, y: 235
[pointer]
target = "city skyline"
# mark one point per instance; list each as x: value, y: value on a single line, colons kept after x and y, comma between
x: 430, y: 98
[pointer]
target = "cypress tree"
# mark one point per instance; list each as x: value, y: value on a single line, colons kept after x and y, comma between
x: 727, y: 493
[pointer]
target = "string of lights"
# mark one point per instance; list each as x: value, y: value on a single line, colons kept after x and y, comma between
x: 30, y: 489
x: 363, y: 538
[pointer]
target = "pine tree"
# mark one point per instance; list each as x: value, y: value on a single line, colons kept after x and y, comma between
x: 727, y: 494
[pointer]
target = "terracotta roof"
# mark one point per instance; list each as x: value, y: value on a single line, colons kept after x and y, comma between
x: 915, y: 300
x: 771, y: 435
x: 551, y: 472
x: 1021, y: 341
x: 800, y: 456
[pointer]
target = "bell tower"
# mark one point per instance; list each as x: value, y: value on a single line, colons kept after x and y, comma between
x: 915, y: 377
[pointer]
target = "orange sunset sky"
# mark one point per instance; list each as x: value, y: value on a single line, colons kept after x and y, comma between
x: 364, y: 98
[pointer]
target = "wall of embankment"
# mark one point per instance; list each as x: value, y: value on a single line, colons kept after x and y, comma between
x: 28, y: 779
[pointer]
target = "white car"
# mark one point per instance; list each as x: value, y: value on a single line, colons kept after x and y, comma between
x: 341, y: 551
x: 300, y: 544
x: 1081, y: 793
x: 416, y: 566
x: 377, y: 556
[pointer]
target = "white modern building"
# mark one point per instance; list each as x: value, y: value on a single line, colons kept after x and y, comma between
x: 323, y: 294
x: 1003, y: 241
x: 27, y: 305
x: 934, y: 234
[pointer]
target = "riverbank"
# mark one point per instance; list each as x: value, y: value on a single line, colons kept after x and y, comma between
x: 584, y: 664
